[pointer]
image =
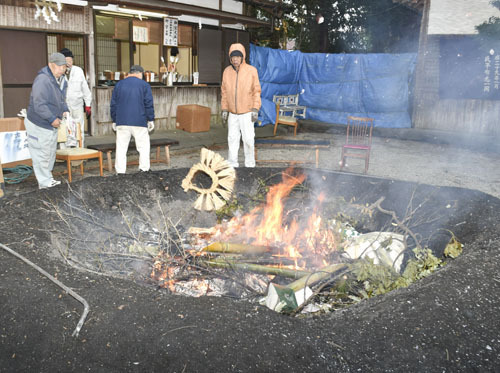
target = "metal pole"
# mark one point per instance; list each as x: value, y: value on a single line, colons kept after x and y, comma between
x: 59, y: 283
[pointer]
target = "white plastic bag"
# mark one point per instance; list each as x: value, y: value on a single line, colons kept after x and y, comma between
x: 72, y: 128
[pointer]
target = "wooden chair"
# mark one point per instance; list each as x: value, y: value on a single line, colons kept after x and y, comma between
x: 78, y: 154
x: 281, y: 111
x: 293, y: 104
x: 358, y: 140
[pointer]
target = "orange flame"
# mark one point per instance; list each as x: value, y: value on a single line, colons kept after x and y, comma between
x: 270, y: 225
x: 296, y: 235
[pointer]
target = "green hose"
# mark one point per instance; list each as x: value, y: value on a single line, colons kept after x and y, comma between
x: 17, y: 174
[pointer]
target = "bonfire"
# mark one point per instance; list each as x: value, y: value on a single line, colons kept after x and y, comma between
x: 262, y: 251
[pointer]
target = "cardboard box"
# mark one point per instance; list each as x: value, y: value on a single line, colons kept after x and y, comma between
x: 193, y: 118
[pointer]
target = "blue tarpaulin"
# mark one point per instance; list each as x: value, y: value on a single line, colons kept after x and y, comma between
x: 333, y: 86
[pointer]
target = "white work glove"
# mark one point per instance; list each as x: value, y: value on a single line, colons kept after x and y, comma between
x: 151, y: 126
x: 224, y: 116
x: 255, y: 116
x: 113, y: 126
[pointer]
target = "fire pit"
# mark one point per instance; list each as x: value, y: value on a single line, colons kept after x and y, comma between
x: 118, y: 226
x: 283, y: 232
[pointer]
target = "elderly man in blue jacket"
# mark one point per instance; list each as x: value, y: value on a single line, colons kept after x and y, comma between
x: 46, y: 110
x: 133, y: 114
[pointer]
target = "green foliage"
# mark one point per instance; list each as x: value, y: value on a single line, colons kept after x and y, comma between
x: 422, y: 265
x: 350, y: 26
x: 262, y: 190
x: 376, y: 279
x: 227, y: 211
x: 368, y: 280
x: 490, y: 30
x: 454, y: 248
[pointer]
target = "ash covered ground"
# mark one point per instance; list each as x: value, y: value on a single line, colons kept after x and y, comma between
x: 445, y: 322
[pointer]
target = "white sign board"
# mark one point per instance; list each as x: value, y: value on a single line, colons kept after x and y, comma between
x: 14, y: 146
x: 170, y: 32
x: 140, y: 34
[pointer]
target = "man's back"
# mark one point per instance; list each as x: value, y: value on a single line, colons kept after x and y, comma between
x: 132, y: 102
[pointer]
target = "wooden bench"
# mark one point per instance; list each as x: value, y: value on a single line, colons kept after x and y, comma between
x: 158, y: 143
x: 316, y: 145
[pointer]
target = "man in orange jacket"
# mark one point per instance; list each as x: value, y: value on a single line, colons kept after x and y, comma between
x: 240, y: 102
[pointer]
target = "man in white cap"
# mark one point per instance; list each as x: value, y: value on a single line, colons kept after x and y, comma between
x: 78, y: 92
x: 46, y: 109
x: 133, y: 114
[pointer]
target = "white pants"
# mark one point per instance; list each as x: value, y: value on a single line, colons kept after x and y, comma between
x: 240, y: 126
x: 141, y: 136
x: 42, y: 144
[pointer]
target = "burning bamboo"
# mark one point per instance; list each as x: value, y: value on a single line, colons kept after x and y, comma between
x: 236, y: 248
x: 256, y: 268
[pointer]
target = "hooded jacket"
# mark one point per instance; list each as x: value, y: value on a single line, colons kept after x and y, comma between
x: 47, y: 99
x: 240, y: 91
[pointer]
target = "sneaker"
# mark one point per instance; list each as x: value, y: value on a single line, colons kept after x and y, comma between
x: 52, y: 183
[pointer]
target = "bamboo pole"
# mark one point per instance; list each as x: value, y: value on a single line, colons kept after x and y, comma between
x: 236, y: 248
x: 257, y: 268
x: 312, y: 278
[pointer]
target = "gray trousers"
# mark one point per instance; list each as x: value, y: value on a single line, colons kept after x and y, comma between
x: 42, y: 144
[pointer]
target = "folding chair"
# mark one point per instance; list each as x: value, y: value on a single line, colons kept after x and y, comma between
x: 77, y: 154
x: 358, y: 140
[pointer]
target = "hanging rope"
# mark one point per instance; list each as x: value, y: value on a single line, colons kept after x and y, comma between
x: 17, y: 174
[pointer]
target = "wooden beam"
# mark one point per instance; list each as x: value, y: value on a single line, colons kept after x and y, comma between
x: 186, y: 9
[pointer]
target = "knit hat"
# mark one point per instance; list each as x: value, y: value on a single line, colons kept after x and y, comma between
x: 57, y: 58
x: 236, y: 54
x: 67, y: 53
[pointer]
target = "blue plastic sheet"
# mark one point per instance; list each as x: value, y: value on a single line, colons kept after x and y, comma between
x: 333, y: 86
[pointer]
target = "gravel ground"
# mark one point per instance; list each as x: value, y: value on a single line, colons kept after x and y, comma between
x: 416, y: 161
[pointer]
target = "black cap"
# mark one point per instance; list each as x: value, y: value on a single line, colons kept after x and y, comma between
x: 136, y: 69
x: 236, y: 54
x: 67, y: 53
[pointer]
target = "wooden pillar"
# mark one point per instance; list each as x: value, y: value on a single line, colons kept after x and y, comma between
x: 2, y: 184
x: 1, y: 92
